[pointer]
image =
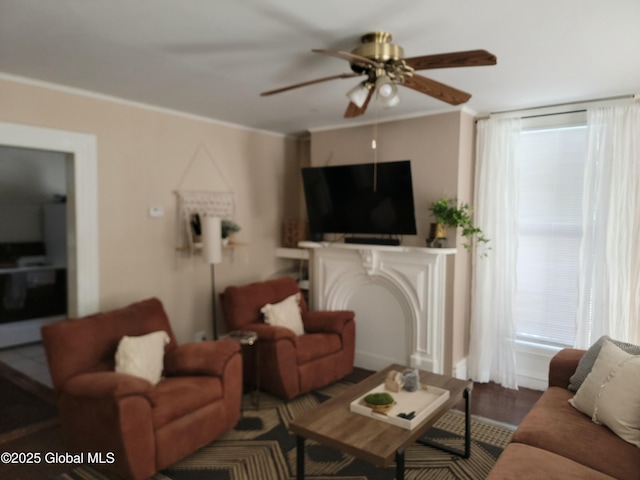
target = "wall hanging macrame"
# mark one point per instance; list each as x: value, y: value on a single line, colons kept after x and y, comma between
x: 190, y: 203
x: 202, y: 203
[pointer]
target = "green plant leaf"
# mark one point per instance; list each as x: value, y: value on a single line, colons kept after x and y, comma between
x: 448, y: 212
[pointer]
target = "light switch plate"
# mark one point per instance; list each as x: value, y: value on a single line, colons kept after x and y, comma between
x: 156, y: 211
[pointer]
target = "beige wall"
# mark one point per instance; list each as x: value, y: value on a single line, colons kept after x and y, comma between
x: 440, y: 148
x: 431, y: 143
x: 144, y: 155
x: 462, y: 267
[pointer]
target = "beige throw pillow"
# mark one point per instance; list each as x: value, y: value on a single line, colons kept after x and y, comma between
x: 142, y: 356
x: 285, y: 314
x: 588, y: 359
x: 609, y: 356
x: 610, y: 394
x: 618, y: 402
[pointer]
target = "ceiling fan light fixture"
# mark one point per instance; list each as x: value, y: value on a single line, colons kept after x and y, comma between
x: 386, y: 67
x: 358, y: 94
x: 390, y: 101
x: 387, y: 92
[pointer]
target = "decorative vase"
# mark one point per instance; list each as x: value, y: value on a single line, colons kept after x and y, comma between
x: 437, y: 236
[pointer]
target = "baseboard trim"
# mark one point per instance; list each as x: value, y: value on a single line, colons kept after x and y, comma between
x: 460, y: 369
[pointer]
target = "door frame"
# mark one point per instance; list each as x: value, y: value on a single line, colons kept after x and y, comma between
x: 82, y: 205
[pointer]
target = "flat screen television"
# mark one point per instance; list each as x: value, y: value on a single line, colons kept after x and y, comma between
x: 360, y: 199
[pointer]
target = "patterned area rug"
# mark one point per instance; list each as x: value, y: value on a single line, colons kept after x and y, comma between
x: 261, y: 448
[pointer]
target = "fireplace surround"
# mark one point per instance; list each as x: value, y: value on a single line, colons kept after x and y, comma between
x: 398, y: 294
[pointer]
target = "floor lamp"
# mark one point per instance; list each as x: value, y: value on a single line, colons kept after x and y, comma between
x: 212, y: 253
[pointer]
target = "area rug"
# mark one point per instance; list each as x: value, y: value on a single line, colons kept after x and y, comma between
x: 261, y: 448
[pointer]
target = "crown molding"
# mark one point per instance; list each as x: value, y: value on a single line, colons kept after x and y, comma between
x: 109, y: 98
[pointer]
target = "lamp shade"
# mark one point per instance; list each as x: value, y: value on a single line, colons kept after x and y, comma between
x: 358, y: 94
x: 387, y: 92
x: 212, y: 239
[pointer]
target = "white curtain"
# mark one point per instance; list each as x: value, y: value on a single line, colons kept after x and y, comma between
x: 609, y: 285
x: 492, y: 344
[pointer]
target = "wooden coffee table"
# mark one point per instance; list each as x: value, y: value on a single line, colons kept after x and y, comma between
x: 333, y: 424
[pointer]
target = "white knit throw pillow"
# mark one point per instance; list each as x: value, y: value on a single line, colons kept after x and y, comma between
x: 142, y: 356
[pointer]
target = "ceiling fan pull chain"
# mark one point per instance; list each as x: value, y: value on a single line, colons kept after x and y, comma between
x: 374, y: 147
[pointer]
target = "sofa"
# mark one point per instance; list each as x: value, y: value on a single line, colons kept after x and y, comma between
x: 556, y: 441
x: 319, y: 352
x: 140, y: 427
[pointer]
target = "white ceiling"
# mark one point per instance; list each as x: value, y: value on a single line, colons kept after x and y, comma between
x: 213, y: 57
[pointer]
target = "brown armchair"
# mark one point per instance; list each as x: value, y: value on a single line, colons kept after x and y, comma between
x: 146, y: 427
x: 289, y: 364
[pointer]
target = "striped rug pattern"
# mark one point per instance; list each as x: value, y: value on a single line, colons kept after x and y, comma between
x: 261, y: 448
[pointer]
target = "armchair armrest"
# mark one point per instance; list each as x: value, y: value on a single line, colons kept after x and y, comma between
x: 327, y: 321
x: 200, y: 358
x: 106, y: 385
x: 563, y: 365
x: 271, y: 333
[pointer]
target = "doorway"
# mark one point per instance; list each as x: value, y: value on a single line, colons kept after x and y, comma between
x: 79, y: 151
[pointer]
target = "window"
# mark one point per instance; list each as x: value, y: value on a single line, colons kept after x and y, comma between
x: 551, y: 163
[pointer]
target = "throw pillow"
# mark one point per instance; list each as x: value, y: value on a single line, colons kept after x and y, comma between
x: 285, y: 314
x: 586, y: 362
x: 610, y: 356
x: 142, y: 356
x: 618, y: 402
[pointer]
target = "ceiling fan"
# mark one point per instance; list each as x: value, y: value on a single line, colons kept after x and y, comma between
x: 384, y: 66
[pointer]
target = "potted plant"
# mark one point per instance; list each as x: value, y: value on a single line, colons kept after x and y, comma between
x: 227, y: 228
x: 380, y: 402
x: 448, y: 213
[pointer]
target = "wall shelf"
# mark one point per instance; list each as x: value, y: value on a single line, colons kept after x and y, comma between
x: 302, y: 255
x: 293, y: 253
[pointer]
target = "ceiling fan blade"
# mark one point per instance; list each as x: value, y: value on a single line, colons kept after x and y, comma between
x: 310, y: 82
x: 354, y: 111
x: 470, y: 58
x: 436, y: 89
x: 348, y: 56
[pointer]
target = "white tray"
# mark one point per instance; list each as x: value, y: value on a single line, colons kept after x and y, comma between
x: 423, y: 401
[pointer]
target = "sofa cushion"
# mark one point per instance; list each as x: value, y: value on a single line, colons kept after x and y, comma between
x: 554, y: 425
x: 317, y: 345
x: 519, y: 461
x: 618, y: 402
x: 142, y: 356
x: 586, y: 396
x: 176, y: 397
x: 611, y: 393
x: 285, y: 313
x: 588, y: 359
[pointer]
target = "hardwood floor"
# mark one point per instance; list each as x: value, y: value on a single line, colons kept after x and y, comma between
x: 488, y: 400
x: 492, y: 401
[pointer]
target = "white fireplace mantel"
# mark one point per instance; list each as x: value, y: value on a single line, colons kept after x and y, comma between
x: 397, y: 293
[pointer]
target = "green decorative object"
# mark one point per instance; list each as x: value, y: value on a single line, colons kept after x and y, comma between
x: 379, y: 402
x: 228, y: 227
x: 379, y: 399
x: 449, y: 213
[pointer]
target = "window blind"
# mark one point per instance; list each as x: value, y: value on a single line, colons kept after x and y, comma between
x: 551, y: 164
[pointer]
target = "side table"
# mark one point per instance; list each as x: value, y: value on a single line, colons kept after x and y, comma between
x: 249, y: 339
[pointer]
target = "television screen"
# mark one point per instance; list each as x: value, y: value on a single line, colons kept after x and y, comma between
x: 360, y: 199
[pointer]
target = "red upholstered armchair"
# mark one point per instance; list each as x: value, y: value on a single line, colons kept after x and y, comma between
x: 146, y: 427
x: 290, y: 364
